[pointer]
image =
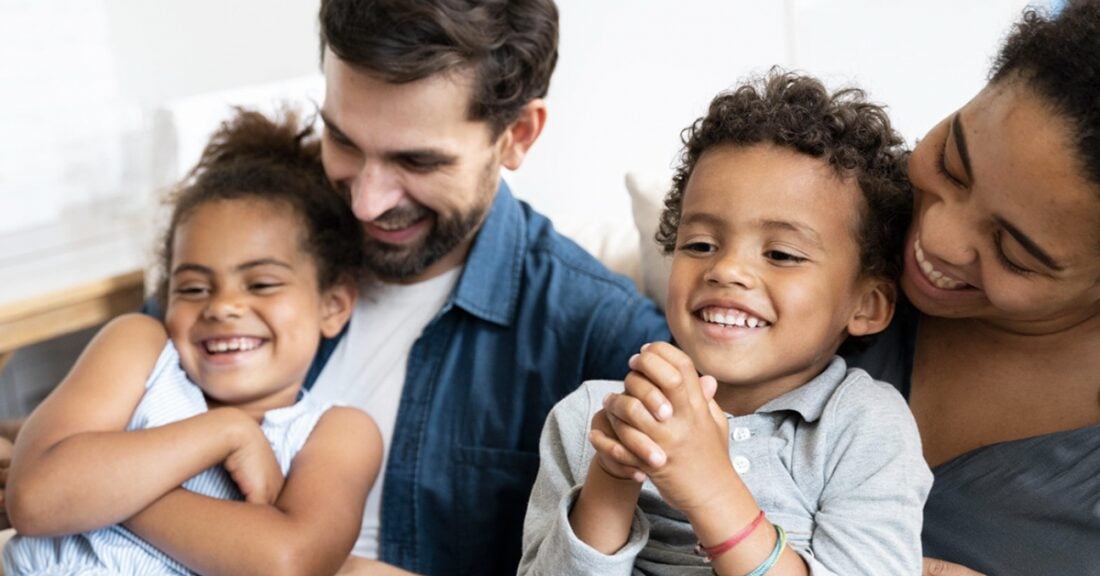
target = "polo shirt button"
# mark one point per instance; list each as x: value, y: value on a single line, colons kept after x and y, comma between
x: 740, y: 434
x: 741, y: 464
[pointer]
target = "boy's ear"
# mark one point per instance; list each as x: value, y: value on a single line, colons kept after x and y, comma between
x: 521, y: 134
x: 337, y: 302
x: 875, y: 308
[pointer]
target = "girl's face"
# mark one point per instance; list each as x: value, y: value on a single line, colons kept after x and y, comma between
x: 244, y: 307
x: 765, y: 281
x: 1006, y: 227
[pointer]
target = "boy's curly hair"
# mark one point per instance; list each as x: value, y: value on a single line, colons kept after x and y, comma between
x: 842, y: 129
x: 252, y: 157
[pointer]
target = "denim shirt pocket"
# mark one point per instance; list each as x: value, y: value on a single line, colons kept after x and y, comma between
x: 492, y: 486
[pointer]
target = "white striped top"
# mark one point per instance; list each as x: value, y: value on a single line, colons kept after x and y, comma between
x: 169, y: 397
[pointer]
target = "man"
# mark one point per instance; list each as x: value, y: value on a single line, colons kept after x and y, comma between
x: 478, y: 316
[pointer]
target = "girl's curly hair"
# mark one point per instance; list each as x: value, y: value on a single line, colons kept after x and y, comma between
x: 274, y: 160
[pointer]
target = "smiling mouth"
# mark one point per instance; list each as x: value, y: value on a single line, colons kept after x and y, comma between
x: 936, y: 277
x: 731, y: 317
x: 231, y: 345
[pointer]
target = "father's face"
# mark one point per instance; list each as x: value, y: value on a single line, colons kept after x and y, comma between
x: 416, y: 171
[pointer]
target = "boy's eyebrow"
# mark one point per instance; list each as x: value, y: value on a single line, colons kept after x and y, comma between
x: 207, y: 271
x: 799, y: 228
x: 1030, y: 245
x: 960, y: 145
x: 803, y: 230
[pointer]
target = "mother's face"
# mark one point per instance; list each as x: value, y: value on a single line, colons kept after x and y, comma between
x: 1006, y: 227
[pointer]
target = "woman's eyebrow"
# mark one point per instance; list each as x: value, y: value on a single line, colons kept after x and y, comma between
x: 960, y: 145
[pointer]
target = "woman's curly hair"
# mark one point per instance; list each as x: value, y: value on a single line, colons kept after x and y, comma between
x: 252, y: 157
x: 843, y: 129
x: 1058, y: 56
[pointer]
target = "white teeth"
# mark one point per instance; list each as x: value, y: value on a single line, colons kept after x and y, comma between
x: 232, y: 345
x: 733, y: 318
x: 936, y: 277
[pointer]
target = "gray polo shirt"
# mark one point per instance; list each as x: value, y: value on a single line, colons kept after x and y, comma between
x: 836, y: 462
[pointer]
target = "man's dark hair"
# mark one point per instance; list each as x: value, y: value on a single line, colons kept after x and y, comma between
x: 1058, y: 56
x: 842, y: 129
x: 510, y: 46
x: 252, y: 157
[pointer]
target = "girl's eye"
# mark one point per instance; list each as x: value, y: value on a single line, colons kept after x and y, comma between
x: 264, y: 287
x: 191, y: 291
x: 783, y: 257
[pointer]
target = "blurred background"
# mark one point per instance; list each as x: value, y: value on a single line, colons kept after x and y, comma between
x: 106, y: 102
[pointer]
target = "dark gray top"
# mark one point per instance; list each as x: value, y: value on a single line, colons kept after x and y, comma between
x: 1030, y: 506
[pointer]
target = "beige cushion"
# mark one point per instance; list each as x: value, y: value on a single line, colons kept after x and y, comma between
x: 647, y: 193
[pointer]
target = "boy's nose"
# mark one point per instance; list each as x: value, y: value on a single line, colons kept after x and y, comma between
x: 731, y: 271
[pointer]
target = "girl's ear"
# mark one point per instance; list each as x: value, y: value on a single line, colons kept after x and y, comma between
x: 521, y: 134
x: 337, y: 302
x: 875, y: 308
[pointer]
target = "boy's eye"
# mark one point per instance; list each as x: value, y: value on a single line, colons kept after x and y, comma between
x: 698, y: 247
x: 783, y: 257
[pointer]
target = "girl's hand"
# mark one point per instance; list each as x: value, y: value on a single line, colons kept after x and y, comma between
x: 690, y: 465
x: 252, y: 463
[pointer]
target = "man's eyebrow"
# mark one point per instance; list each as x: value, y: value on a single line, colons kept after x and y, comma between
x: 960, y: 145
x: 330, y: 125
x: 1031, y: 247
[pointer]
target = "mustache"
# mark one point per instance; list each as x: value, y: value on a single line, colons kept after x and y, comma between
x: 398, y: 216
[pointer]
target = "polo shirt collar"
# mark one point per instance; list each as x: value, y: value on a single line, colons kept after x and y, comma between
x: 490, y: 282
x: 809, y: 399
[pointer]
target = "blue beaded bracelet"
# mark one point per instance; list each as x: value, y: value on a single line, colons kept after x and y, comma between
x: 780, y: 542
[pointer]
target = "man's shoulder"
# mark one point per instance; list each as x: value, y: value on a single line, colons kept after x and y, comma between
x: 550, y: 250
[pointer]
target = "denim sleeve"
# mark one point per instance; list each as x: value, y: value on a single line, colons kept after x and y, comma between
x: 550, y: 546
x: 621, y: 326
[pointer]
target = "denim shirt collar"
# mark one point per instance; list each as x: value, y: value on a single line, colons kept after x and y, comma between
x: 809, y: 399
x: 490, y: 283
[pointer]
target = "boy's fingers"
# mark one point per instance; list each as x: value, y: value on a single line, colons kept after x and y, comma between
x: 608, y: 446
x: 640, y: 387
x: 630, y: 410
x: 648, y: 453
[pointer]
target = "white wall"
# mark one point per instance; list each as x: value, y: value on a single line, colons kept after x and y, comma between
x: 81, y: 78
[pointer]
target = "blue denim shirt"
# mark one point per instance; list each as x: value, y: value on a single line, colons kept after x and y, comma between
x: 532, y: 316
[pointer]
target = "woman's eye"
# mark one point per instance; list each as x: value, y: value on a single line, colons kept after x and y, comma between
x: 1006, y: 262
x: 941, y: 167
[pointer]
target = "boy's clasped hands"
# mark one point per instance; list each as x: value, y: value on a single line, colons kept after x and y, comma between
x: 666, y: 426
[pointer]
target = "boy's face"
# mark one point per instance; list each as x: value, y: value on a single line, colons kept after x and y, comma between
x: 765, y: 277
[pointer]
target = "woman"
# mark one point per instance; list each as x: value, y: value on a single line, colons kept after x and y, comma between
x: 1000, y: 352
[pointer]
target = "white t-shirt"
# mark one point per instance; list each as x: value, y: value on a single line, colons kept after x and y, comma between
x: 367, y: 368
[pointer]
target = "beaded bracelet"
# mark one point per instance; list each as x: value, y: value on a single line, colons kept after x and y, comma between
x: 780, y: 542
x: 717, y: 550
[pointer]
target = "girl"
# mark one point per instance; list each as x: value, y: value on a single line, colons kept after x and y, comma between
x: 260, y: 263
x: 785, y: 222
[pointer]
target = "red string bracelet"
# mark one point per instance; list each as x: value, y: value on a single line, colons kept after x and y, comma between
x: 713, y: 552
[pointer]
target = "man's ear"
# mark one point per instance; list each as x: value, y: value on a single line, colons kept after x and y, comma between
x: 521, y: 134
x: 337, y: 302
x: 875, y: 308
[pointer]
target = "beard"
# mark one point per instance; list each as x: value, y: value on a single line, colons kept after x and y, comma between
x: 445, y: 234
